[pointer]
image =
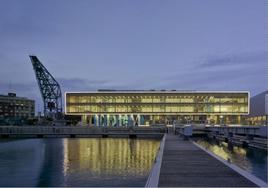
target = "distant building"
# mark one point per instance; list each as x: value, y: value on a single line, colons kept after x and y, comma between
x: 258, y: 109
x: 12, y: 106
x: 150, y: 107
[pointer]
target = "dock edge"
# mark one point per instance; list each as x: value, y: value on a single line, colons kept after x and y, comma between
x: 153, y: 177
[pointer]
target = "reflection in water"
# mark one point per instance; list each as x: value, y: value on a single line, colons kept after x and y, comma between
x: 77, y: 162
x: 114, y: 160
x: 252, y: 160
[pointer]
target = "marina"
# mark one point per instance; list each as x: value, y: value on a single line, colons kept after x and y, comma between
x: 133, y: 93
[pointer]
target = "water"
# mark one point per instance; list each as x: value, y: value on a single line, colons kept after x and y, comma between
x: 76, y: 162
x: 253, y: 161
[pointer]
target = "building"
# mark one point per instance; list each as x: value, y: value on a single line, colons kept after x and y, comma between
x: 150, y: 107
x: 12, y: 106
x: 258, y: 109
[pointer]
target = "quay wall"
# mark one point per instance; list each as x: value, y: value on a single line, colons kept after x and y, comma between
x: 55, y: 131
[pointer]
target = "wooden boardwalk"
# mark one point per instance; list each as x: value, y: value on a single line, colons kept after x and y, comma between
x: 186, y: 165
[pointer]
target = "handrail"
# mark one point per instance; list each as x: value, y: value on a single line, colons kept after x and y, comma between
x: 153, y: 177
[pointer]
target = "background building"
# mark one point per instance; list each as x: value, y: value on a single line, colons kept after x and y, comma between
x: 258, y: 109
x: 12, y: 106
x: 149, y: 107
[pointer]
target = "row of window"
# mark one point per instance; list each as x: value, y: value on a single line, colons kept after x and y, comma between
x: 156, y: 109
x: 155, y: 100
x: 17, y: 114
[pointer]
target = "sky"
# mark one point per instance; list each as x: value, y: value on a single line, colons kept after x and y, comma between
x: 134, y: 44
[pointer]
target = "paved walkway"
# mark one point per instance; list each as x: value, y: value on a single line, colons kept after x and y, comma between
x: 185, y: 165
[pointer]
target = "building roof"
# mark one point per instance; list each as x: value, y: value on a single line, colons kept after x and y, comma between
x: 153, y: 91
x: 13, y: 96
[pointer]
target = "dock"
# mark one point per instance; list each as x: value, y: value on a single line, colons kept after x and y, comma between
x: 186, y: 165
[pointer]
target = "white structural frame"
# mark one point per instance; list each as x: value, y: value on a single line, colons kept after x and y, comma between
x: 156, y: 92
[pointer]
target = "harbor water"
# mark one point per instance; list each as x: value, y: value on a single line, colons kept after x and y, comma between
x: 76, y: 162
x: 251, y: 160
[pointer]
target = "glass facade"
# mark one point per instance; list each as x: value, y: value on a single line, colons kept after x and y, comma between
x: 128, y: 104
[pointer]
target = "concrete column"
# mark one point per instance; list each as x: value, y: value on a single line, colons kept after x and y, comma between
x: 94, y: 116
x: 100, y: 120
x: 132, y: 120
x: 139, y: 119
x: 96, y: 120
x: 108, y: 120
x: 104, y: 120
x: 120, y: 121
x: 89, y: 120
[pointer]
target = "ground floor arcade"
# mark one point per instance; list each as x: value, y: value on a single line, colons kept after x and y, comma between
x: 146, y: 120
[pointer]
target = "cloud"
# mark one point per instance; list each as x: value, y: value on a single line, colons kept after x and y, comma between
x: 79, y: 84
x: 21, y: 87
x: 243, y: 71
x: 233, y: 59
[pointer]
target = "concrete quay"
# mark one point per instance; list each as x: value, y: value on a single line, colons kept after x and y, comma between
x: 79, y: 132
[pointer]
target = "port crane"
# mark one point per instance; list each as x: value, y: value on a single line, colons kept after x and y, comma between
x: 49, y: 88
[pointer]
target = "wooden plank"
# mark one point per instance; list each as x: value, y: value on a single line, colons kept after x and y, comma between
x: 186, y: 165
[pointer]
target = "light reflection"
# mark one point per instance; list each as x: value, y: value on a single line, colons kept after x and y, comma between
x: 65, y: 159
x: 252, y: 160
x: 109, y: 157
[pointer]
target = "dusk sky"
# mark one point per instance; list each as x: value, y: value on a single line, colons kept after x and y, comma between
x: 138, y: 44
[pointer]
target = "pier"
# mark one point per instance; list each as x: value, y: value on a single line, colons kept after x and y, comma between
x: 186, y: 165
x: 248, y: 136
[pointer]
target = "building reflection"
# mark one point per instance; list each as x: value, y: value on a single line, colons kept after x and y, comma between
x: 109, y: 157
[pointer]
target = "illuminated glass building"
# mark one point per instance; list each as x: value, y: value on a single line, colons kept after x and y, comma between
x: 150, y: 107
